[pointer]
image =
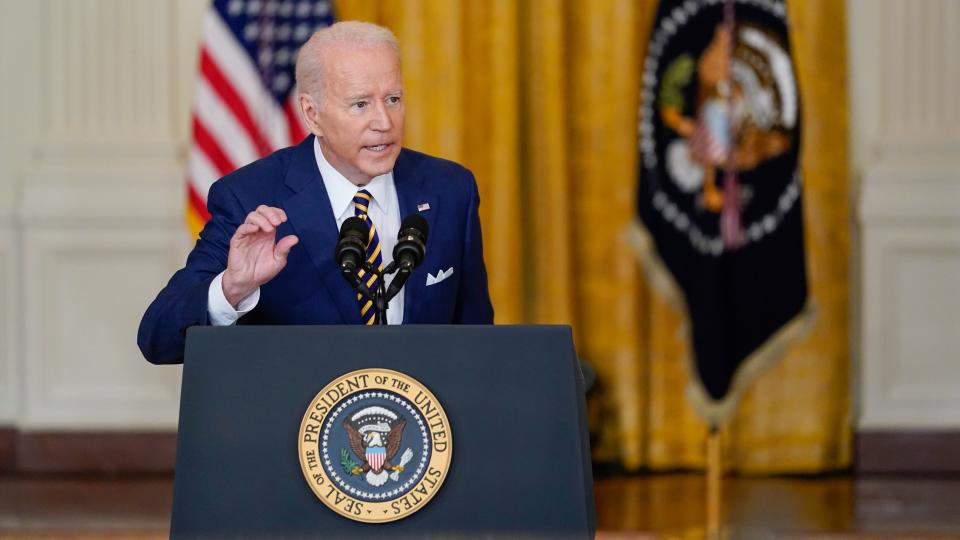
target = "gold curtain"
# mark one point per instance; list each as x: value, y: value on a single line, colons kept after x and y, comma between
x: 539, y: 98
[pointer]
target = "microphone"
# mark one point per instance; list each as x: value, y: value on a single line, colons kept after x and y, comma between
x: 409, y: 251
x: 411, y: 242
x: 351, y: 251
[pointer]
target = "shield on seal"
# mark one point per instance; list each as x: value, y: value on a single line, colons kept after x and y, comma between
x: 375, y: 457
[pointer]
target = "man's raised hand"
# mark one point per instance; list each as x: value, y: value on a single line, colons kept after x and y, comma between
x: 255, y: 256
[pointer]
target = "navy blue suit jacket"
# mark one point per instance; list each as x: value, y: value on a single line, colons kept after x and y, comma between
x: 310, y: 289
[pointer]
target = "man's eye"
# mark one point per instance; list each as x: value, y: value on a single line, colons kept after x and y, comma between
x: 393, y: 100
x: 360, y: 104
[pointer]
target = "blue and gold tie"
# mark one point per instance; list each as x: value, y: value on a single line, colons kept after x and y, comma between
x: 361, y: 201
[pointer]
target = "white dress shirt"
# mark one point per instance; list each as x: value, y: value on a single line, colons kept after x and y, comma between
x: 384, y: 211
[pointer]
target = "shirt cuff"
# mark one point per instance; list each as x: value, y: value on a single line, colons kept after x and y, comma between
x: 220, y: 311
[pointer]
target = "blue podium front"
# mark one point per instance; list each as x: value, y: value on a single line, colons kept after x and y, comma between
x: 392, y: 431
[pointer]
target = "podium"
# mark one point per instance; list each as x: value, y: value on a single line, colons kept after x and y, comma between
x: 513, y: 398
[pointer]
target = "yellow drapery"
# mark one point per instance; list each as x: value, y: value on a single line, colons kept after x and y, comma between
x: 539, y: 98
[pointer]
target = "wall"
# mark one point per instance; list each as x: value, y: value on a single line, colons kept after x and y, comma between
x: 905, y: 98
x: 93, y: 121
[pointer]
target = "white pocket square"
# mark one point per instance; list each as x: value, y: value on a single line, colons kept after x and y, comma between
x: 441, y: 275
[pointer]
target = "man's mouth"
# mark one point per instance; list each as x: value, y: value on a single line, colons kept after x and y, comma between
x: 377, y: 148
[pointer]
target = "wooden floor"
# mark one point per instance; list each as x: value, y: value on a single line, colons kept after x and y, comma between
x: 652, y: 506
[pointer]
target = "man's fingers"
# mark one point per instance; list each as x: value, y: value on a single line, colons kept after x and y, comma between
x: 276, y: 216
x: 260, y: 221
x: 245, y: 229
x: 284, y: 246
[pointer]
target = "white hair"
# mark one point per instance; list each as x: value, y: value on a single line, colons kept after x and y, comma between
x: 354, y: 34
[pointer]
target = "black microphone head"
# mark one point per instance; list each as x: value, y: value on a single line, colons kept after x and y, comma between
x: 411, y: 242
x: 416, y: 222
x: 353, y: 223
x: 352, y: 245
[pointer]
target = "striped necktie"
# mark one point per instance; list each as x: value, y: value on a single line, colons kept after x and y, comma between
x: 361, y: 201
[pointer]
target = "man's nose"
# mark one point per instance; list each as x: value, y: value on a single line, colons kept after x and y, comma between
x: 381, y: 118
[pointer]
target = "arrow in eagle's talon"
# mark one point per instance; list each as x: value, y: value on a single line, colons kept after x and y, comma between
x: 404, y: 459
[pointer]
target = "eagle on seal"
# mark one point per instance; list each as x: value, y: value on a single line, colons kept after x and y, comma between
x: 375, y: 435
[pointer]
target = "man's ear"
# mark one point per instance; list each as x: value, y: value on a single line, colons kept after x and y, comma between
x: 311, y: 113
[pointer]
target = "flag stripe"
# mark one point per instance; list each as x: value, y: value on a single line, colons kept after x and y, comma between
x: 240, y: 71
x: 245, y: 102
x: 233, y: 102
x: 211, y: 148
x: 221, y: 123
x: 200, y: 171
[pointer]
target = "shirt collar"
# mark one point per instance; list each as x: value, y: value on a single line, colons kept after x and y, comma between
x: 341, y: 191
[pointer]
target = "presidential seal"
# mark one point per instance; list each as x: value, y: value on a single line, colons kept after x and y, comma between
x: 375, y: 445
x: 720, y: 126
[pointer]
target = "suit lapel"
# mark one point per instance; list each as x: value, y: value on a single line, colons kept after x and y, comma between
x: 309, y: 213
x: 411, y: 193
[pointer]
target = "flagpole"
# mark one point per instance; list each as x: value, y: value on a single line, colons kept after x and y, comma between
x: 714, y: 488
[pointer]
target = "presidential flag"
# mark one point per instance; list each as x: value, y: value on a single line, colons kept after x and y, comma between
x: 245, y: 101
x: 720, y: 221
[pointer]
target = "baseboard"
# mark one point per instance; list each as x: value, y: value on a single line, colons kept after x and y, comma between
x: 7, y: 438
x: 923, y: 452
x: 87, y: 452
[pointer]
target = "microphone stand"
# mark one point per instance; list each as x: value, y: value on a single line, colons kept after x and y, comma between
x: 379, y: 295
x: 383, y: 299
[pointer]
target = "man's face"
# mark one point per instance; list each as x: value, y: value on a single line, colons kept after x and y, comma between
x: 359, y: 121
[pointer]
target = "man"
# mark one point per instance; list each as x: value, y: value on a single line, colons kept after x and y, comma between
x: 267, y: 254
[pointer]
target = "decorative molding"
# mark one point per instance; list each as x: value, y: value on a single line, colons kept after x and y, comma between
x: 920, y: 85
x: 110, y: 94
x: 910, y: 195
x: 110, y: 75
x: 119, y: 198
x: 910, y: 307
x: 21, y: 104
x: 925, y: 452
x: 85, y: 290
x: 906, y: 80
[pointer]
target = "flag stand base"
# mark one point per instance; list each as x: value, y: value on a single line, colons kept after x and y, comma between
x: 714, y: 487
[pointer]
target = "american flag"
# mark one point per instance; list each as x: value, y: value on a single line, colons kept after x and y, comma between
x: 245, y: 104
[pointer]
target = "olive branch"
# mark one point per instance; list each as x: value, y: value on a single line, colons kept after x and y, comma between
x: 347, y: 462
x: 675, y: 78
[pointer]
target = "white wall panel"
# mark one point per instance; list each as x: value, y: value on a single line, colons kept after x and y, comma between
x: 905, y: 79
x: 19, y: 109
x: 20, y: 105
x: 87, y: 289
x: 9, y: 336
x: 110, y: 69
x: 911, y: 327
x: 905, y: 125
x: 100, y: 208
